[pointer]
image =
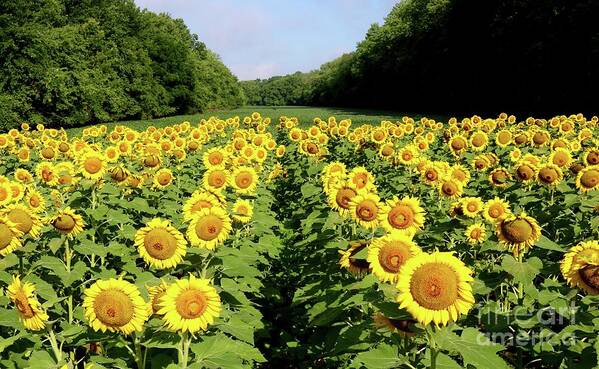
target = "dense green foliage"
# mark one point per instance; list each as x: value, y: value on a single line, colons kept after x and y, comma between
x: 67, y: 63
x: 461, y: 55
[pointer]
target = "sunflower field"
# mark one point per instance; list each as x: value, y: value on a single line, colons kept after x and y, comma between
x: 250, y: 242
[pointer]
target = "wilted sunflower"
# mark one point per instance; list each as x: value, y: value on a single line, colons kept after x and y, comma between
x: 199, y: 200
x: 24, y: 219
x: 588, y: 178
x: 435, y: 288
x: 387, y: 254
x: 163, y: 178
x: 366, y: 209
x: 471, y: 206
x: 10, y: 236
x: 518, y: 232
x: 209, y: 228
x: 401, y: 326
x: 31, y: 313
x: 160, y: 244
x: 93, y: 165
x: 244, y: 180
x: 450, y: 188
x: 242, y: 211
x: 349, y: 261
x: 405, y: 216
x: 115, y: 305
x: 339, y: 198
x: 476, y: 233
x: 580, y: 266
x: 549, y: 175
x: 495, y: 209
x: 67, y: 222
x: 189, y: 305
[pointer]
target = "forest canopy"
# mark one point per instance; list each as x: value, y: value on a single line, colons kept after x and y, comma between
x: 71, y: 62
x: 460, y: 56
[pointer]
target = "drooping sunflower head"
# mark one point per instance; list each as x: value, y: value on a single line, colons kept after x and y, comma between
x: 366, y: 210
x: 476, y: 233
x: 518, y: 232
x: 349, y: 260
x: 67, y: 222
x: 24, y: 219
x: 549, y: 175
x: 115, y: 305
x: 209, y: 228
x: 435, y: 288
x: 189, y: 305
x: 387, y: 254
x: 587, y: 178
x: 31, y: 313
x: 160, y: 244
x: 580, y: 266
x: 405, y: 216
x: 401, y: 326
x: 242, y: 211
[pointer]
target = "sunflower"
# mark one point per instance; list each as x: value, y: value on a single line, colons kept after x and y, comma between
x: 361, y: 180
x: 435, y: 288
x: 405, y: 216
x: 209, y: 228
x: 242, y: 211
x: 199, y: 200
x: 401, y: 326
x: 349, y: 261
x: 115, y: 305
x: 30, y: 310
x: 24, y: 219
x: 155, y: 293
x: 34, y: 200
x: 450, y: 188
x: 588, y: 179
x: 216, y: 178
x: 518, y: 232
x: 93, y: 165
x: 549, y: 175
x: 503, y: 138
x: 244, y: 180
x: 561, y: 157
x: 214, y: 157
x: 5, y: 193
x: 189, y: 305
x: 525, y: 171
x: 471, y: 206
x: 339, y: 198
x: 335, y: 169
x: 160, y: 244
x: 457, y: 144
x: 387, y: 254
x: 407, y: 155
x: 476, y: 233
x: 23, y: 176
x: 430, y: 173
x: 460, y: 173
x: 9, y: 236
x: 479, y: 140
x: 495, y: 209
x: 580, y: 266
x: 67, y: 222
x: 366, y: 209
x: 591, y: 156
x: 162, y: 178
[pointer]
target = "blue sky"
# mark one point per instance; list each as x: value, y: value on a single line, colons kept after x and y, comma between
x: 263, y: 38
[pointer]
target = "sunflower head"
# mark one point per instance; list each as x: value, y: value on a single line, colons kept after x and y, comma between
x: 580, y: 266
x: 29, y: 308
x: 160, y: 244
x: 351, y: 262
x: 366, y: 209
x: 209, y: 227
x: 387, y: 254
x: 587, y: 178
x: 518, y: 232
x: 67, y: 222
x: 405, y: 216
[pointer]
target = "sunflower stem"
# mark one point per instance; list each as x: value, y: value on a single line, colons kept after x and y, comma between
x: 432, y: 346
x: 139, y: 355
x: 520, y: 285
x: 184, y: 350
x: 55, y: 348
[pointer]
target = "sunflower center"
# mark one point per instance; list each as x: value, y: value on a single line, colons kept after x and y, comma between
x: 216, y: 179
x: 478, y: 140
x: 593, y: 158
x: 164, y: 179
x: 517, y: 231
x: 64, y: 222
x: 367, y: 210
x: 208, y: 227
x: 590, y: 275
x: 3, y: 194
x: 47, y: 153
x: 243, y: 179
x: 160, y: 244
x: 560, y: 159
x: 34, y: 201
x: 475, y: 234
x: 401, y: 216
x: 434, y: 286
x: 431, y: 174
x: 392, y: 255
x: 215, y: 158
x: 406, y: 155
x: 472, y: 207
x: 191, y: 304
x: 312, y: 148
x: 344, y: 196
x: 539, y: 138
x: 92, y: 165
x: 524, y: 172
x: 458, y: 144
x: 548, y: 175
x: 113, y: 308
x: 590, y: 178
x: 504, y: 137
x: 22, y: 219
x: 6, y: 236
x: 23, y: 306
x: 449, y: 188
x: 495, y: 211
x: 360, y: 180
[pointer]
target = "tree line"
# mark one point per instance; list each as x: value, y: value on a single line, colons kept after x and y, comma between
x: 73, y: 62
x: 469, y: 56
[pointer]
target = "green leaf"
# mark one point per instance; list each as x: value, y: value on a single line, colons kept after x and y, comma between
x: 220, y: 351
x: 474, y: 347
x: 522, y: 272
x: 547, y: 244
x: 381, y: 357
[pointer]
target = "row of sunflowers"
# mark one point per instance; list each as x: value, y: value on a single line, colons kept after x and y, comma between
x: 245, y: 242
